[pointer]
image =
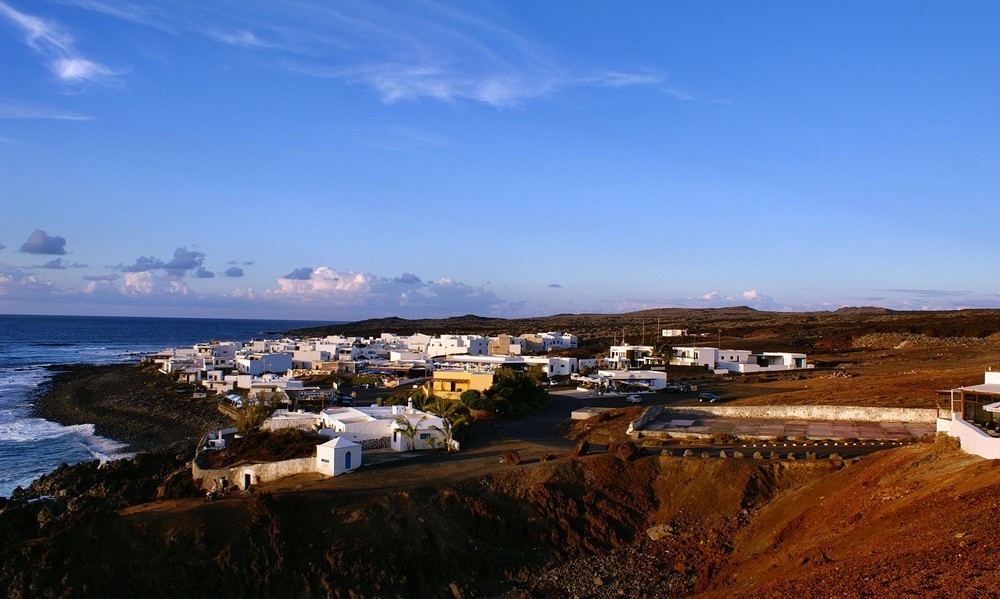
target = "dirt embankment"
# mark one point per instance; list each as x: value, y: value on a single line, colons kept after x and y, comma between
x: 909, y: 521
x: 514, y: 531
x: 131, y: 403
x: 915, y: 521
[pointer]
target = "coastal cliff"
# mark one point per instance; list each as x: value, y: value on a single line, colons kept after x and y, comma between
x: 131, y: 403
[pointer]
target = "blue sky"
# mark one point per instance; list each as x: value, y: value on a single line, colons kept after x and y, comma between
x: 342, y: 160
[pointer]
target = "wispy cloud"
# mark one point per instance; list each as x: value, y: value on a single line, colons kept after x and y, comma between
x: 58, y: 264
x: 13, y: 111
x: 244, y: 38
x: 927, y: 292
x: 49, y: 40
x: 426, y: 51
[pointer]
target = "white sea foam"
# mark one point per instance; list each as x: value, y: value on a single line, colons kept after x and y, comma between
x: 104, y: 449
x: 39, y: 429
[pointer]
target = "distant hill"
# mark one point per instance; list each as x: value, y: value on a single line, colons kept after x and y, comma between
x: 862, y: 310
x: 751, y: 329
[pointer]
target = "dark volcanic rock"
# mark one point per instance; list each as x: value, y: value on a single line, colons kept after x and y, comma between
x: 511, y: 458
x: 128, y: 402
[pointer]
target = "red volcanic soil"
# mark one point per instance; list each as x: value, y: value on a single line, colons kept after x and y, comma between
x: 914, y: 520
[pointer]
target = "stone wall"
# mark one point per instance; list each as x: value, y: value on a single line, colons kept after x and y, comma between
x: 380, y: 443
x: 259, y: 473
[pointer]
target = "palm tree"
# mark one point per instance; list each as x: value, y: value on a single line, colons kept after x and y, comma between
x: 408, y: 430
x: 451, y: 418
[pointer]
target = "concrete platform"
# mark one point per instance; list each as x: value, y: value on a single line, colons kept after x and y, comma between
x: 791, y: 429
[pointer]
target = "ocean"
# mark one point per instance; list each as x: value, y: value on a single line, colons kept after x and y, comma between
x: 30, y: 447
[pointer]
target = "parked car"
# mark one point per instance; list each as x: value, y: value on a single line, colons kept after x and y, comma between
x: 633, y: 399
x: 677, y: 388
x: 709, y: 397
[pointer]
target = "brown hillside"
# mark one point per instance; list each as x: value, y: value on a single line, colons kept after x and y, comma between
x: 801, y: 331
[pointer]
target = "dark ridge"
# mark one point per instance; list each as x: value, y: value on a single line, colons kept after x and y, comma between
x: 752, y: 329
x: 862, y: 310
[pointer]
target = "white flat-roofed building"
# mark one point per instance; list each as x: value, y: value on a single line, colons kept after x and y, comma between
x: 652, y: 379
x: 447, y: 345
x: 407, y: 428
x: 308, y: 359
x: 557, y: 340
x: 260, y: 363
x: 552, y: 366
x: 628, y: 356
x: 972, y: 414
x: 738, y: 360
x: 281, y: 419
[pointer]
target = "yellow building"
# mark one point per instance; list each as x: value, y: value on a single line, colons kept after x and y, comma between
x: 450, y: 384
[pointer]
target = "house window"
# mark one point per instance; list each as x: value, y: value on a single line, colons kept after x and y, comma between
x: 424, y: 436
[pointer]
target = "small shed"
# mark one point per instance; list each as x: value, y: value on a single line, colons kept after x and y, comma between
x: 337, y: 456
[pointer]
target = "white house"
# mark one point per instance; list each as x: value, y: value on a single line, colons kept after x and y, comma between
x: 674, y: 332
x: 557, y: 340
x: 217, y: 355
x: 395, y: 423
x: 706, y: 357
x: 551, y: 366
x: 738, y: 360
x: 972, y: 415
x: 308, y: 359
x: 337, y: 456
x: 258, y: 363
x: 457, y: 344
x: 628, y: 356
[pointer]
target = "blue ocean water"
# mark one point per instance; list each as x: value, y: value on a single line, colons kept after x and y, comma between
x: 30, y: 447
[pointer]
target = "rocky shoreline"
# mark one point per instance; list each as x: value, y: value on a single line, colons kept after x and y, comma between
x: 130, y: 403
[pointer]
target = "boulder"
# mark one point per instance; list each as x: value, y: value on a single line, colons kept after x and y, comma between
x: 655, y: 533
x: 511, y: 458
x: 624, y: 451
x: 582, y: 448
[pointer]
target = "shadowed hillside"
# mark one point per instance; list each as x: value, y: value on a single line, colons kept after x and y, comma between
x: 793, y: 331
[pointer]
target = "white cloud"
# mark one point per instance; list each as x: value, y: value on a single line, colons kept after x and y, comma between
x: 137, y: 283
x: 49, y: 40
x: 94, y: 287
x: 177, y: 287
x: 378, y: 295
x: 711, y: 295
x: 18, y: 284
x: 751, y: 295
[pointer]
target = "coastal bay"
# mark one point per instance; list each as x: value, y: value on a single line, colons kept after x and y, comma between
x: 130, y: 403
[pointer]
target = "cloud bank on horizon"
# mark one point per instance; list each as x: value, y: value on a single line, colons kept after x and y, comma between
x: 337, y: 161
x: 324, y: 292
